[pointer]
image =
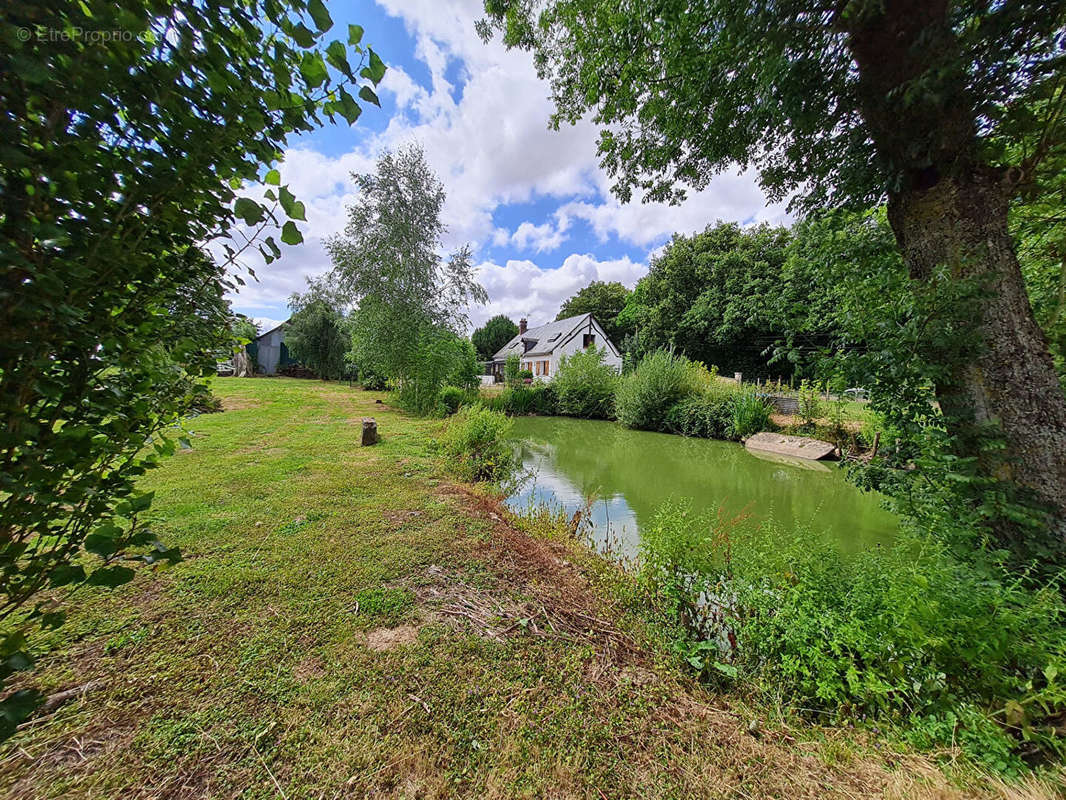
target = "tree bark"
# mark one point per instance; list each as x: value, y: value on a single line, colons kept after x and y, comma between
x: 962, y: 223
x: 949, y: 208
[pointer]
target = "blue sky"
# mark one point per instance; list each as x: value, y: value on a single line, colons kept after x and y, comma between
x: 533, y: 203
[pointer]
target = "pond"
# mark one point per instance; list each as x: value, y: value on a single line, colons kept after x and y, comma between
x: 631, y: 473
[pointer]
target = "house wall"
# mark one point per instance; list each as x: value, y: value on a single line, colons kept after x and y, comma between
x: 270, y: 351
x: 573, y: 343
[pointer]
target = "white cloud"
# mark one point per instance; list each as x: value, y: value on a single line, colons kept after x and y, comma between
x: 490, y: 145
x: 521, y: 288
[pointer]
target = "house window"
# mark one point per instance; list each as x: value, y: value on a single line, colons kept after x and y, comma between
x: 588, y: 340
x: 544, y: 368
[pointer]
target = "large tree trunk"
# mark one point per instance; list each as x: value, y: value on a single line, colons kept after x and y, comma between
x: 950, y: 208
x: 1011, y: 380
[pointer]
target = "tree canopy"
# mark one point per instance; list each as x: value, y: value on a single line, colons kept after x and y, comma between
x: 318, y: 331
x: 714, y: 297
x: 604, y: 300
x: 412, y: 303
x: 494, y: 334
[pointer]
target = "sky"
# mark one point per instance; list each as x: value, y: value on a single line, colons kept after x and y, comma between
x: 533, y: 203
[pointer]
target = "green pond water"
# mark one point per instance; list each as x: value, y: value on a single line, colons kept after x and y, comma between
x: 631, y: 473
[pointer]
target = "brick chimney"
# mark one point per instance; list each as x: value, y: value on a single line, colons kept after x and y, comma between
x: 522, y: 326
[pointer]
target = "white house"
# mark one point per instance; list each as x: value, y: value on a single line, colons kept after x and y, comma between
x: 540, y: 349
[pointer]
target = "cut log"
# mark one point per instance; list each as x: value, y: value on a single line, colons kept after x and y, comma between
x: 794, y: 446
x: 370, y: 431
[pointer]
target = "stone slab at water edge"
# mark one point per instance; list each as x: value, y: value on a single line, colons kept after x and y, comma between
x: 795, y: 446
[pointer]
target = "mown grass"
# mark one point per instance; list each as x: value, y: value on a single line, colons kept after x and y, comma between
x: 348, y: 622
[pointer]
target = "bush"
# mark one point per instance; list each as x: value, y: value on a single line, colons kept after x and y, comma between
x: 372, y: 381
x: 585, y: 385
x: 751, y: 414
x: 708, y: 416
x: 661, y: 380
x: 451, y: 397
x: 904, y: 633
x: 477, y: 445
x: 537, y: 398
x: 512, y: 369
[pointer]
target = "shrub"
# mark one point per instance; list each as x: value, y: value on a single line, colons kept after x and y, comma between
x: 585, y: 385
x: 660, y: 380
x: 371, y: 380
x: 810, y: 404
x: 451, y: 397
x: 537, y: 398
x: 751, y: 414
x: 708, y: 416
x: 906, y: 633
x: 477, y: 445
x: 512, y: 369
x: 525, y: 376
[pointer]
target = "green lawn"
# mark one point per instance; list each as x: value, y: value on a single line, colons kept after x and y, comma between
x: 349, y: 622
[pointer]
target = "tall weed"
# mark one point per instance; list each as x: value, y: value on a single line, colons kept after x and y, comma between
x: 476, y: 442
x: 908, y: 634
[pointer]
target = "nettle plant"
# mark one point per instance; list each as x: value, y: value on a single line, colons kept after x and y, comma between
x: 124, y: 167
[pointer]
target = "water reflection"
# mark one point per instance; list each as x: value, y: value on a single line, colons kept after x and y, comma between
x: 629, y: 474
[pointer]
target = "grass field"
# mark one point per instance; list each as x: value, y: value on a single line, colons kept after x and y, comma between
x: 349, y: 622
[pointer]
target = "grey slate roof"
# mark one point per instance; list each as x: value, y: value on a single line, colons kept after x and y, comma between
x: 546, y: 337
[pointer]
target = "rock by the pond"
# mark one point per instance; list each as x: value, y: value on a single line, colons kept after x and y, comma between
x: 794, y: 446
x: 370, y: 431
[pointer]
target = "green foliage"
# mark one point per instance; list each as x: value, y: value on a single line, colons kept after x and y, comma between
x: 714, y: 297
x: 477, y: 446
x: 112, y: 307
x: 810, y: 402
x: 372, y: 380
x: 494, y: 334
x: 585, y: 385
x: 512, y: 370
x: 707, y: 415
x: 537, y: 398
x: 317, y: 333
x: 466, y: 372
x: 750, y: 414
x: 605, y: 301
x: 839, y: 126
x: 451, y: 397
x: 905, y: 633
x: 411, y: 302
x: 661, y: 379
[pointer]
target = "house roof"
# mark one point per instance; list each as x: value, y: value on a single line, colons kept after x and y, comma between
x: 275, y: 328
x: 545, y: 338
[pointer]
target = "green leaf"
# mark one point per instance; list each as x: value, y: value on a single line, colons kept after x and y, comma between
x: 375, y: 70
x: 323, y: 21
x: 313, y: 69
x: 347, y: 106
x: 290, y: 234
x: 142, y: 501
x: 111, y: 576
x: 368, y: 94
x: 273, y: 178
x: 337, y: 55
x: 294, y: 209
x: 248, y: 210
x: 302, y: 35
x: 355, y: 34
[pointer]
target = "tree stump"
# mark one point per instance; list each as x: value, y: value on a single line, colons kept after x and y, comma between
x: 370, y: 431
